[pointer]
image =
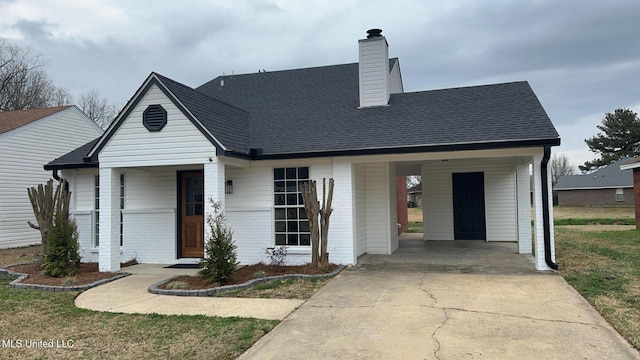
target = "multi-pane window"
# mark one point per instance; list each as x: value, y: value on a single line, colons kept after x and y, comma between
x: 291, y: 222
x: 619, y: 194
x: 121, y: 208
x: 96, y: 211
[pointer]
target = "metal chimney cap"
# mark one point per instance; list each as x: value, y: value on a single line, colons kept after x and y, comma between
x: 373, y: 33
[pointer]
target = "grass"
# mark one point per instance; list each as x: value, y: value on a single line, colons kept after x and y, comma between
x: 28, y: 314
x: 414, y: 227
x: 37, y: 315
x: 604, y: 266
x: 593, y: 212
x: 301, y: 289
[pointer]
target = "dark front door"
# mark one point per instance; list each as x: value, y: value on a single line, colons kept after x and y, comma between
x: 468, y: 206
x: 192, y: 214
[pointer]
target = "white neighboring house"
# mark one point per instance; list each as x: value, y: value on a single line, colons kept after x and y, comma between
x: 249, y: 140
x: 28, y: 139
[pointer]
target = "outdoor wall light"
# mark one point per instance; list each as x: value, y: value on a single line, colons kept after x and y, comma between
x: 228, y: 188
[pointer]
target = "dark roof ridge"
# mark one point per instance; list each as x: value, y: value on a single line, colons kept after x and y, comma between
x: 466, y: 87
x: 164, y: 78
x: 392, y: 59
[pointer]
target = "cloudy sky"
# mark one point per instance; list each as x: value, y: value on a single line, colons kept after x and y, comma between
x: 582, y: 58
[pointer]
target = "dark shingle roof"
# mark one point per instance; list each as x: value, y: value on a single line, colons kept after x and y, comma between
x: 228, y: 124
x: 316, y: 110
x: 609, y: 176
x: 73, y: 159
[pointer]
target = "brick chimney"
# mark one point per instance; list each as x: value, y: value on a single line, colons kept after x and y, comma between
x: 374, y: 69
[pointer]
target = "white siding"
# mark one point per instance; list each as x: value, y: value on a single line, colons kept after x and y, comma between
x: 179, y: 142
x: 500, y: 199
x: 360, y: 210
x: 523, y: 181
x: 374, y: 72
x: 24, y: 152
x: 395, y: 79
x: 81, y: 184
x: 377, y: 207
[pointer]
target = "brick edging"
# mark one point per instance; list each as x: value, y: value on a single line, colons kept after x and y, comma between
x: 17, y: 284
x: 154, y: 288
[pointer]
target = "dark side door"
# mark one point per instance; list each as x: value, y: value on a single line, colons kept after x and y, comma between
x: 469, y: 221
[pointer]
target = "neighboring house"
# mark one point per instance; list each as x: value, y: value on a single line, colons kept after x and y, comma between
x: 414, y: 195
x: 634, y: 165
x: 29, y: 138
x: 606, y: 186
x: 248, y: 141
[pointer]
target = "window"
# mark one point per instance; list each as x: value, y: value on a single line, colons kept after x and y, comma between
x: 620, y: 194
x: 121, y: 208
x: 291, y: 222
x: 96, y: 211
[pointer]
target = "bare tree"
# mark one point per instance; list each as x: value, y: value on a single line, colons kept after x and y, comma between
x: 560, y: 166
x: 98, y: 108
x: 23, y: 82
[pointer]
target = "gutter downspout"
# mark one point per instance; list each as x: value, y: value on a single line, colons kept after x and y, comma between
x: 545, y: 208
x: 57, y: 177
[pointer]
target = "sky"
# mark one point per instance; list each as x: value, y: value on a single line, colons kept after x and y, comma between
x: 582, y: 58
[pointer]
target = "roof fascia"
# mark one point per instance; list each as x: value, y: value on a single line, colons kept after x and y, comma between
x: 412, y: 149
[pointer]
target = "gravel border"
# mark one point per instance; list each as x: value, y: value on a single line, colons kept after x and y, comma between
x: 17, y: 284
x: 154, y: 288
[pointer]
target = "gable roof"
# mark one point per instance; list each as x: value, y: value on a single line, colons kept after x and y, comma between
x: 10, y: 120
x: 314, y: 112
x: 222, y: 124
x: 609, y: 176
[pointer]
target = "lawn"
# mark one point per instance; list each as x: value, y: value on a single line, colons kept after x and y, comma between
x: 36, y: 315
x: 604, y: 266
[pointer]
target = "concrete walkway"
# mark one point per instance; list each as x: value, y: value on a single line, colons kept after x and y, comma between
x: 412, y: 305
x: 129, y: 295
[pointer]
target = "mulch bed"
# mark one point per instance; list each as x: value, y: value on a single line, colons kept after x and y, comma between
x: 248, y: 272
x: 87, y: 273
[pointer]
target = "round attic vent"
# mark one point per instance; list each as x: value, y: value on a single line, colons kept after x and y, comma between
x: 154, y: 118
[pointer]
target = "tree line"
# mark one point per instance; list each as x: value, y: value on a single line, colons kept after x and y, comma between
x: 24, y: 84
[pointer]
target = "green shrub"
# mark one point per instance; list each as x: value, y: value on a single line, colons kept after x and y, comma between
x: 220, y: 259
x: 61, y: 257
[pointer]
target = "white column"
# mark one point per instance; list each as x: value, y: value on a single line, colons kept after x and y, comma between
x: 109, y: 256
x: 392, y: 207
x: 523, y: 181
x: 341, y: 244
x: 214, y: 184
x: 537, y: 203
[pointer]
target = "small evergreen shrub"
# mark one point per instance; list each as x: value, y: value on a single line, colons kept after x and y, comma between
x: 220, y: 259
x: 61, y: 257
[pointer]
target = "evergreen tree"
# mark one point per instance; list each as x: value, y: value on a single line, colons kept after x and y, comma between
x: 619, y: 137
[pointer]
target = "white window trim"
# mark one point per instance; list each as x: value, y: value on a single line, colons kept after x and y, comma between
x: 291, y: 249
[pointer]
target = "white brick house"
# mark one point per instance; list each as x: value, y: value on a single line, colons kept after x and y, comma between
x: 249, y: 140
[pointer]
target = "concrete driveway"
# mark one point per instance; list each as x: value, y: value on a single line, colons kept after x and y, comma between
x: 415, y: 305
